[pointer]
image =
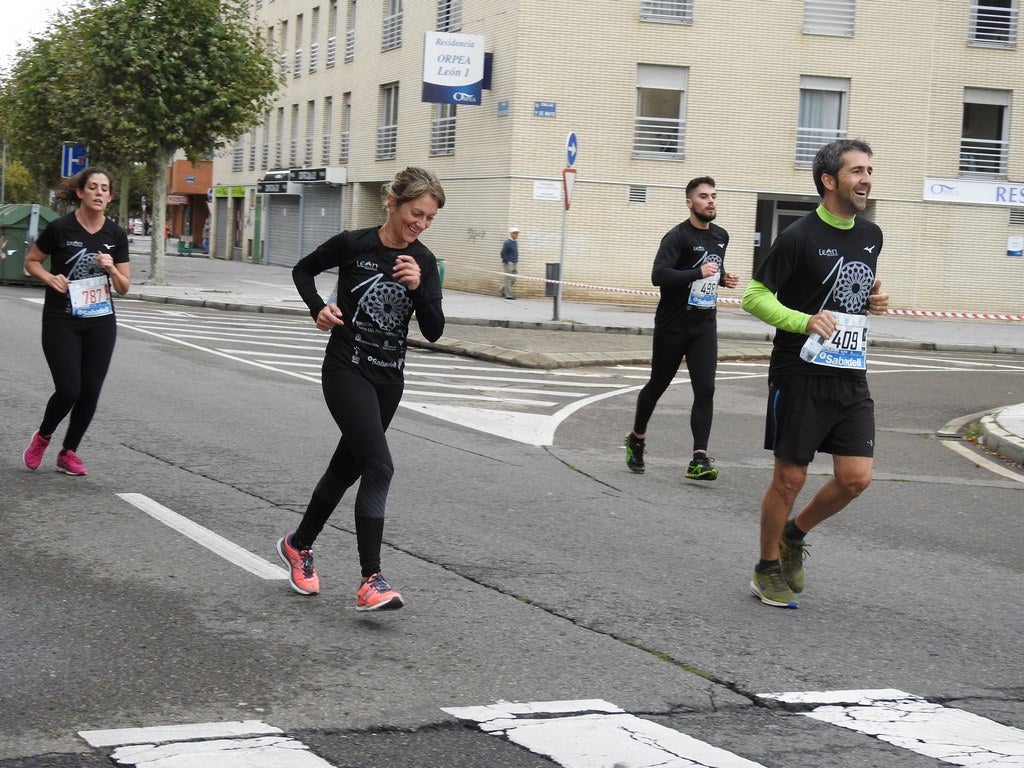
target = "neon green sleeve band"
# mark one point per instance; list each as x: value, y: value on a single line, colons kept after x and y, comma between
x: 759, y: 301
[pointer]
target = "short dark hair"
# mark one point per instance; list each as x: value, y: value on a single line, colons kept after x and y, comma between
x: 829, y: 159
x: 694, y: 183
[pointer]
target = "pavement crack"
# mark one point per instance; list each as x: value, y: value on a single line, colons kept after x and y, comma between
x: 205, y: 476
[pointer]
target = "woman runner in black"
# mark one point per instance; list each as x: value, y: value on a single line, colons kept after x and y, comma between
x: 88, y: 255
x: 385, y: 274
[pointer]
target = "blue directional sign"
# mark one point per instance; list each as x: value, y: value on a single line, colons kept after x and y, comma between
x: 73, y: 158
x: 570, y: 148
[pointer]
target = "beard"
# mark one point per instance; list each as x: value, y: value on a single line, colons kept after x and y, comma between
x: 707, y: 218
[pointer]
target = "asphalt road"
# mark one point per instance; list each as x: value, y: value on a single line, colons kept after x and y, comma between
x: 533, y: 572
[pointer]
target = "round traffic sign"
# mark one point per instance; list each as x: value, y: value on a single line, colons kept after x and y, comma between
x: 571, y: 146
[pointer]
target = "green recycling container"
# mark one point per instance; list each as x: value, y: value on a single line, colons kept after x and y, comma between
x: 20, y: 225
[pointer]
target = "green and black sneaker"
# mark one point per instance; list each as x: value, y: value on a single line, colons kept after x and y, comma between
x: 700, y: 469
x: 770, y: 587
x: 792, y: 553
x: 635, y: 453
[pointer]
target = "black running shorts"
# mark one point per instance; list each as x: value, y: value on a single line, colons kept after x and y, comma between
x: 831, y: 414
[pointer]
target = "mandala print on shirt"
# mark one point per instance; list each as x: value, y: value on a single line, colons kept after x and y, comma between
x: 84, y: 265
x: 386, y: 303
x: 853, y: 286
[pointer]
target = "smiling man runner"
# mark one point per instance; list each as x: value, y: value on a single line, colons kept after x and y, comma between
x: 818, y: 278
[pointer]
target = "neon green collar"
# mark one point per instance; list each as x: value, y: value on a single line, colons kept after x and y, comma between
x: 833, y: 220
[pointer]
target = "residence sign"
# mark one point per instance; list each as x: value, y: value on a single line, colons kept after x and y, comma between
x: 453, y: 68
x: 973, y: 192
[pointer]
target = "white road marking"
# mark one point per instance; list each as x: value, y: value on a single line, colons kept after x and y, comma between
x: 163, y: 733
x: 305, y: 377
x: 216, y: 543
x: 910, y: 722
x: 265, y: 752
x: 529, y: 428
x: 604, y: 736
x: 206, y: 745
x: 983, y: 461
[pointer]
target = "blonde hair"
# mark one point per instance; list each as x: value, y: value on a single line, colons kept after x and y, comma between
x: 412, y: 183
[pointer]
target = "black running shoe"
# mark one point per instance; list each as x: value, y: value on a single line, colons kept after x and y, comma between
x: 635, y: 453
x: 700, y: 469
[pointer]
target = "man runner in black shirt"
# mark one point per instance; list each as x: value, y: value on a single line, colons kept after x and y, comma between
x: 818, y: 279
x: 688, y: 268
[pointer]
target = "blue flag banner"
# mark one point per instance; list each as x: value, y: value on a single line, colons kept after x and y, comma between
x: 453, y: 68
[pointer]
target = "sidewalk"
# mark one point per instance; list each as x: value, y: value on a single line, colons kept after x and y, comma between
x: 524, y: 333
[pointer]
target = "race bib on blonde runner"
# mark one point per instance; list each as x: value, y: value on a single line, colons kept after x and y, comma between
x: 704, y: 292
x: 847, y: 347
x: 90, y: 297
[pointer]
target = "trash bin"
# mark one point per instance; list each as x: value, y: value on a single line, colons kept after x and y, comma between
x: 185, y: 246
x: 20, y: 225
x: 440, y: 270
x: 551, y: 272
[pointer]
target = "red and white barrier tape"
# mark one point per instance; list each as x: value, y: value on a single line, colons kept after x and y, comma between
x: 949, y: 315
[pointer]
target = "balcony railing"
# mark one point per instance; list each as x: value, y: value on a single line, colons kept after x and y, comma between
x: 671, y: 11
x: 297, y: 64
x: 387, y: 142
x: 983, y: 157
x: 442, y: 136
x: 659, y: 137
x: 830, y: 17
x: 325, y: 149
x: 332, y: 52
x: 343, y: 148
x: 308, y: 159
x: 391, y: 36
x: 993, y: 25
x: 810, y: 140
x: 314, y: 55
x: 350, y: 45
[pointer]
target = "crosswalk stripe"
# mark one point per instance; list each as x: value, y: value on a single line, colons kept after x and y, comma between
x: 596, y: 734
x: 911, y: 722
x: 116, y: 737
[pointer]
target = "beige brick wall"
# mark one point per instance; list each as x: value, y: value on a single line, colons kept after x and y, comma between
x: 908, y: 64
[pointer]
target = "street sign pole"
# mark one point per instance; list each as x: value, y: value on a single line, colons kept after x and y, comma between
x: 568, y: 179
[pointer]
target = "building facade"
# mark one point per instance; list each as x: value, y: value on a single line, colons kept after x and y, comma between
x: 656, y: 92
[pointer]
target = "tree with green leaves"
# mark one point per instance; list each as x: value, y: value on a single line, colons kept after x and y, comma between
x: 141, y: 80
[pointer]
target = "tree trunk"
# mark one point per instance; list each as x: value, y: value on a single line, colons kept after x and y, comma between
x: 158, y: 248
x: 123, y: 191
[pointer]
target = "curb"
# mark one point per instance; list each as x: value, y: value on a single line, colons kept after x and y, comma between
x: 995, y: 438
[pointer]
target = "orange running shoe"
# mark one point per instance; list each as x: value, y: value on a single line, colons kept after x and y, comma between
x: 377, y: 595
x: 301, y: 572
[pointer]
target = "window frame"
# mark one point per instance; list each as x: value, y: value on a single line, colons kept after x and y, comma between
x: 834, y: 18
x: 810, y: 138
x: 988, y: 156
x: 387, y: 126
x: 653, y: 137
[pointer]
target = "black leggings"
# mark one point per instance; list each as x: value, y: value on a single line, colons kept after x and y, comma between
x: 363, y: 411
x: 78, y: 351
x: 701, y: 352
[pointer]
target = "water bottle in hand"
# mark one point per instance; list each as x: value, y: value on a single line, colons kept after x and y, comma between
x: 811, y: 348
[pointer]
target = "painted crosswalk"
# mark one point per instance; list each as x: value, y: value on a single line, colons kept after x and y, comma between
x: 523, y: 405
x: 594, y: 733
